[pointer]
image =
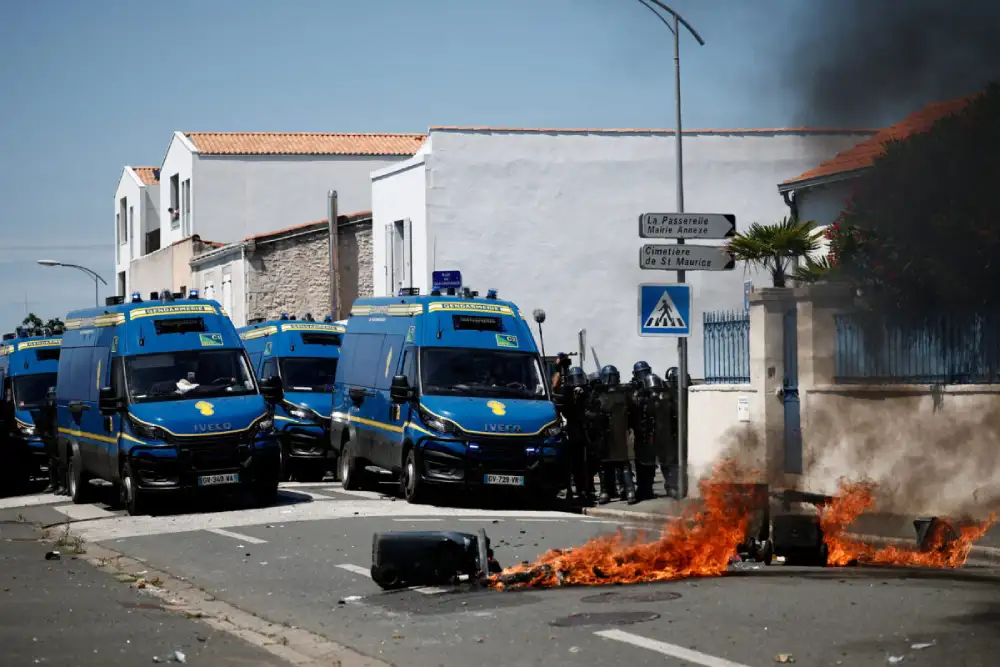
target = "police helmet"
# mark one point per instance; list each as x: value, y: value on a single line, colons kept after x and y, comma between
x: 610, y: 376
x: 576, y: 377
x: 641, y: 370
x: 653, y: 382
x: 594, y: 379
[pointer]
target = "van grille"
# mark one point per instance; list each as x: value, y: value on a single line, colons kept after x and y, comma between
x: 213, y: 453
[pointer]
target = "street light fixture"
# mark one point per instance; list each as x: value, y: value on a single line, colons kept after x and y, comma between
x: 92, y: 274
x: 682, y: 350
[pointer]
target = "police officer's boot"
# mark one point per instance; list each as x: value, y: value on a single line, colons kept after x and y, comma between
x: 607, y: 478
x: 644, y: 474
x: 629, y: 491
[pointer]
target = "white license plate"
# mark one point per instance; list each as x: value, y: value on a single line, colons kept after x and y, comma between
x: 213, y: 480
x: 504, y: 480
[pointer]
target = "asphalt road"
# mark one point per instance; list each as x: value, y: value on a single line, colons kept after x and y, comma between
x: 304, y: 563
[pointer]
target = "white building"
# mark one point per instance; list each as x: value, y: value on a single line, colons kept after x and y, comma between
x: 821, y: 194
x: 550, y: 219
x: 137, y: 219
x: 226, y: 186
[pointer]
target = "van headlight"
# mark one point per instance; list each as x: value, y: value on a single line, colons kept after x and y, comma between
x: 265, y: 426
x: 299, y: 413
x: 553, y: 431
x: 148, y: 432
x: 438, y: 424
x: 26, y: 429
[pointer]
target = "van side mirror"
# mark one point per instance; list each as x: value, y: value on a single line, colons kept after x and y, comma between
x: 271, y: 389
x: 400, y: 390
x: 109, y: 402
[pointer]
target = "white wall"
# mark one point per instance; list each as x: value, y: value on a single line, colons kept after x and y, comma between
x: 550, y: 219
x: 131, y: 247
x: 178, y: 161
x: 400, y: 192
x: 240, y: 196
x: 213, y: 271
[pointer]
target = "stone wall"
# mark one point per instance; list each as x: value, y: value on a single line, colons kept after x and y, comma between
x: 290, y: 275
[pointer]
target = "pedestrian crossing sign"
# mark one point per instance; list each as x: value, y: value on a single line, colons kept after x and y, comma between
x: 665, y: 309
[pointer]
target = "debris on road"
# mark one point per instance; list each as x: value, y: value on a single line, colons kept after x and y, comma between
x: 784, y: 658
x: 921, y: 646
x: 894, y: 659
x: 426, y: 558
x: 52, y: 555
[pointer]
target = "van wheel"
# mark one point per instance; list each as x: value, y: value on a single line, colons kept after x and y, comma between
x: 351, y: 474
x: 79, y: 482
x: 284, y: 465
x: 136, y: 502
x: 414, y: 488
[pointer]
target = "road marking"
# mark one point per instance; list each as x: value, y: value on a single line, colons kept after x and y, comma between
x: 679, y: 652
x: 544, y: 520
x: 357, y: 569
x: 416, y: 520
x: 312, y: 494
x: 84, y: 512
x: 371, y: 495
x: 480, y: 520
x: 236, y: 536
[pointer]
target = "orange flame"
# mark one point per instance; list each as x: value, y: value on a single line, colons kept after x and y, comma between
x: 940, y: 550
x: 699, y: 545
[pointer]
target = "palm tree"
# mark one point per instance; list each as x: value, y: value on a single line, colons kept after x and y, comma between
x: 776, y: 247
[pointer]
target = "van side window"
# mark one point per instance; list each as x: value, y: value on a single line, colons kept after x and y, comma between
x: 408, y: 366
x: 255, y: 361
x: 118, y: 377
x: 82, y: 374
x: 270, y: 368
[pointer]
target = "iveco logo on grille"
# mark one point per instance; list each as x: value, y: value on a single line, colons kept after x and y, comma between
x: 503, y: 428
x: 213, y: 428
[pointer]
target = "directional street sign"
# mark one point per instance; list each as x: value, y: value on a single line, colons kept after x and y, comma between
x: 665, y: 309
x: 687, y: 225
x: 670, y: 257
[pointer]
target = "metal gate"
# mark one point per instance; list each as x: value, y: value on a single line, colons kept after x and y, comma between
x: 790, y: 394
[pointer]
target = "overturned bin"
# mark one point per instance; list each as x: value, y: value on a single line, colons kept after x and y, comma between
x: 427, y: 558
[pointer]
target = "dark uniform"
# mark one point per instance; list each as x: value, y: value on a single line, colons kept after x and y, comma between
x: 612, y: 404
x: 660, y: 419
x: 638, y: 396
x: 48, y: 431
x: 671, y: 474
x: 574, y: 408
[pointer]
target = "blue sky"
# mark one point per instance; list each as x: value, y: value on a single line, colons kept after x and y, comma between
x: 87, y: 87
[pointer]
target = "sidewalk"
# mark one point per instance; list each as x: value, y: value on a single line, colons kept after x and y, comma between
x: 67, y: 613
x: 880, y: 529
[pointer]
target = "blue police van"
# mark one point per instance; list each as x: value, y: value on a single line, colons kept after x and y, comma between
x: 158, y: 397
x: 445, y: 389
x: 28, y: 365
x: 304, y: 354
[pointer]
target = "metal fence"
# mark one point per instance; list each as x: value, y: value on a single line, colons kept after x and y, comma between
x: 944, y: 351
x: 727, y: 347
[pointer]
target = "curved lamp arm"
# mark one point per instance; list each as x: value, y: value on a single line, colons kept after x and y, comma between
x: 93, y: 274
x: 677, y: 17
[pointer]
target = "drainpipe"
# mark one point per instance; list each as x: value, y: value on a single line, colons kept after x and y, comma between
x: 331, y: 216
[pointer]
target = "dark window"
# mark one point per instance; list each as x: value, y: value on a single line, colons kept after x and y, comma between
x: 320, y: 339
x: 409, y: 366
x: 30, y: 390
x: 255, y: 360
x: 47, y: 355
x: 481, y: 373
x: 476, y: 323
x: 188, y: 374
x: 308, y: 373
x: 269, y: 369
x: 118, y: 377
x: 179, y: 325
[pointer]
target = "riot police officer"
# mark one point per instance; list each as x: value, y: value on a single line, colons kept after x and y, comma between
x: 666, y: 426
x: 612, y: 404
x: 639, y: 422
x: 574, y: 405
x: 640, y: 371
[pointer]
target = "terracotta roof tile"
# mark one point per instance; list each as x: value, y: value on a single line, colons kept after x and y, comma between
x: 148, y: 175
x: 863, y: 155
x: 304, y: 143
x: 343, y: 216
x: 597, y: 130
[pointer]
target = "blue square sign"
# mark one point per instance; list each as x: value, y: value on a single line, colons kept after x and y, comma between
x: 665, y: 309
x: 446, y: 279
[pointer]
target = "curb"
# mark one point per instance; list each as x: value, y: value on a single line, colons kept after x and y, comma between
x: 978, y: 555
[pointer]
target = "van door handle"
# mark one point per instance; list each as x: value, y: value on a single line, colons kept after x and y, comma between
x: 76, y: 407
x: 358, y: 394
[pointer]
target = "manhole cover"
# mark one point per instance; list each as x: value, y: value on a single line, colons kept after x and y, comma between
x: 608, y: 618
x: 612, y: 597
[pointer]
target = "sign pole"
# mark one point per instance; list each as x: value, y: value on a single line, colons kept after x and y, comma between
x: 682, y: 347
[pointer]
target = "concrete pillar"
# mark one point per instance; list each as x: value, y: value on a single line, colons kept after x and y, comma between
x: 818, y: 305
x: 767, y: 368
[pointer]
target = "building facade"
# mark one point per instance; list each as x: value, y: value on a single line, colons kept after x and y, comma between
x: 288, y: 271
x: 137, y: 219
x: 167, y: 268
x: 549, y: 218
x: 227, y: 186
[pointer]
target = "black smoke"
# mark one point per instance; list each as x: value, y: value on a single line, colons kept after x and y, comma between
x: 870, y: 62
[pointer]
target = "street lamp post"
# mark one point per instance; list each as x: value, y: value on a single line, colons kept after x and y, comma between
x: 682, y: 347
x: 92, y: 274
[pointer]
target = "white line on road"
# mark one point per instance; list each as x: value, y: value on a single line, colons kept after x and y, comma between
x: 481, y: 520
x: 236, y: 536
x: 417, y: 520
x: 83, y: 512
x: 679, y: 652
x: 357, y: 569
x: 544, y: 520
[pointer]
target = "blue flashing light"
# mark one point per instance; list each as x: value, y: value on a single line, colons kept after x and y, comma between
x: 328, y: 318
x: 284, y: 316
x: 491, y: 294
x: 193, y: 294
x: 136, y: 297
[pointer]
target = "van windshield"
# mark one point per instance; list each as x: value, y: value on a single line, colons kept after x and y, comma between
x: 308, y: 373
x: 171, y: 376
x: 29, y: 390
x: 481, y: 373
